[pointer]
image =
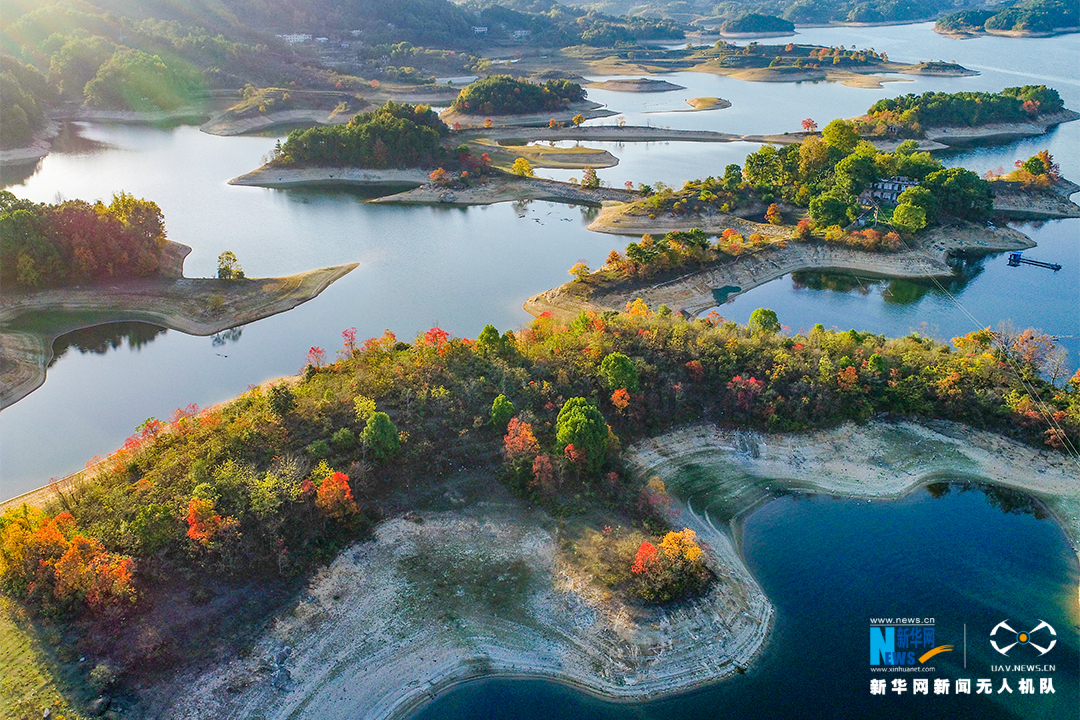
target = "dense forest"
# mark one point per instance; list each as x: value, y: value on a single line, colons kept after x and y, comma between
x: 395, y: 135
x: 1032, y: 16
x: 76, y: 243
x: 282, y: 477
x: 504, y: 95
x: 24, y: 97
x: 938, y: 109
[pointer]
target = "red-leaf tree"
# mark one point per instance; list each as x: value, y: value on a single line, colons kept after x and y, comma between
x: 335, y: 497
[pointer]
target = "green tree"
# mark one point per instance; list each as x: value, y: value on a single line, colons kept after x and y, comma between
x: 488, y: 341
x: 380, y: 436
x: 589, y: 179
x: 841, y: 134
x: 763, y: 320
x: 829, y: 210
x: 619, y: 371
x: 501, y: 412
x: 282, y: 400
x: 229, y: 267
x: 909, y: 217
x: 581, y: 433
x: 961, y: 192
x: 854, y: 173
x: 920, y: 197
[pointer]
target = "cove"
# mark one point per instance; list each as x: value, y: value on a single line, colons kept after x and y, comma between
x: 959, y: 552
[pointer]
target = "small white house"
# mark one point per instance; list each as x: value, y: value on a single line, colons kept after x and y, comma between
x: 294, y: 38
x: 479, y: 30
x: 522, y: 34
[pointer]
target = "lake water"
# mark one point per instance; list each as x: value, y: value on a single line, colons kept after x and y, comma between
x: 1005, y: 565
x: 463, y: 268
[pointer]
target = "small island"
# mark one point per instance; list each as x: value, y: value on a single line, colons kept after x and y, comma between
x: 1031, y: 18
x: 503, y: 100
x: 76, y: 265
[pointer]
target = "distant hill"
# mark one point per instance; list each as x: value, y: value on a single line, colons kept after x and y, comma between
x: 754, y: 23
x: 1033, y: 16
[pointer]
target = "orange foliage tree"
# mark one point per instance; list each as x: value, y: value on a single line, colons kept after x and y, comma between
x: 335, y: 497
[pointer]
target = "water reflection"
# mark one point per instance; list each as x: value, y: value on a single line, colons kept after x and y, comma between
x: 893, y: 291
x: 227, y: 336
x: 1007, y: 500
x: 100, y: 339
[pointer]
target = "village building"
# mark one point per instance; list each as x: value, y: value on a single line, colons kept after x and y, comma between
x: 886, y: 190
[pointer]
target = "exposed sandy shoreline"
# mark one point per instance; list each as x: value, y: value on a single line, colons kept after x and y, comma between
x: 881, y: 459
x: 378, y: 632
x: 637, y: 85
x: 228, y: 127
x: 191, y: 305
x: 40, y: 144
x: 999, y: 131
x: 273, y: 176
x: 692, y: 293
x: 588, y: 109
x: 508, y: 189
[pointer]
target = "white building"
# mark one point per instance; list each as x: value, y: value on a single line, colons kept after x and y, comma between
x: 294, y: 38
x: 886, y: 190
x: 522, y: 34
x: 479, y: 30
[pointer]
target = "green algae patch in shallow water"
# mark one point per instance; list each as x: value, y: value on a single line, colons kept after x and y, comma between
x: 721, y: 295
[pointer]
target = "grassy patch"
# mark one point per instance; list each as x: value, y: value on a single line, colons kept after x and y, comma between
x: 30, y: 680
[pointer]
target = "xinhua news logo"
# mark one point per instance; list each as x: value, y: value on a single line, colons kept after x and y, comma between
x: 903, y: 642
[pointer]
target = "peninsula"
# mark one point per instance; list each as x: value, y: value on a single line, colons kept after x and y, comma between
x: 75, y: 265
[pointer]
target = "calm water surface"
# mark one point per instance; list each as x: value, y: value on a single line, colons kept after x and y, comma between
x: 1007, y: 565
x: 461, y: 269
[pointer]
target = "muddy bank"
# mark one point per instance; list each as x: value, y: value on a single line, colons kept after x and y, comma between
x: 999, y: 131
x: 588, y: 109
x: 637, y: 85
x: 881, y: 459
x: 283, y: 177
x: 191, y: 305
x: 693, y: 292
x: 40, y: 144
x: 229, y: 126
x: 504, y: 188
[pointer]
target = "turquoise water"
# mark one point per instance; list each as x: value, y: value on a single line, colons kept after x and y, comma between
x: 463, y: 268
x: 1001, y: 564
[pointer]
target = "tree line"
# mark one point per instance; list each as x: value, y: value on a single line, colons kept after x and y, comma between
x: 75, y: 242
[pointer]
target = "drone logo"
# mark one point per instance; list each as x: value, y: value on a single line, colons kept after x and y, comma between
x: 1022, y: 638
